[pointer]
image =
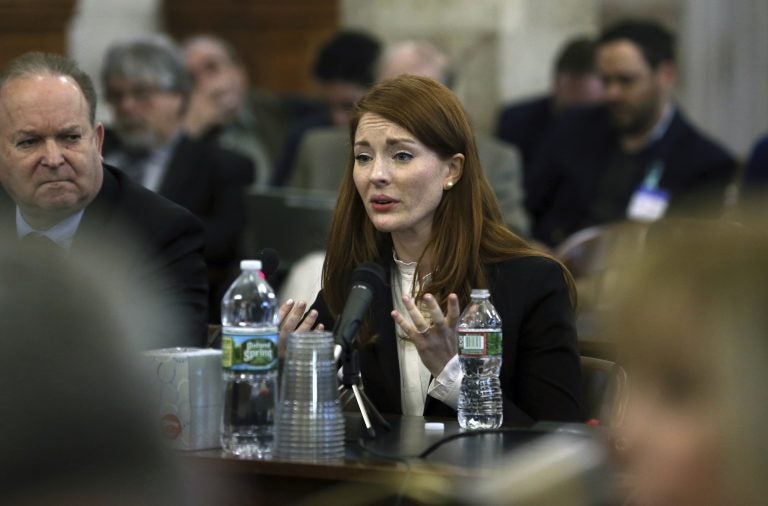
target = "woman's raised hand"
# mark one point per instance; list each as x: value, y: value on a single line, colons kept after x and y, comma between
x: 436, y: 343
x: 291, y: 314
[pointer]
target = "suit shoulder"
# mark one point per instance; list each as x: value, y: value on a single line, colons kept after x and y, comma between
x: 527, y: 269
x: 524, y: 283
x: 531, y: 106
x: 145, y: 208
x: 581, y: 130
x: 711, y: 149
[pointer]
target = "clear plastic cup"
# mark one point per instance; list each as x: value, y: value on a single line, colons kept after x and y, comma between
x: 309, y: 423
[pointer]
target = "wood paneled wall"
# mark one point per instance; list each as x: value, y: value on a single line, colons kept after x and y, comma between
x: 277, y: 39
x: 33, y: 25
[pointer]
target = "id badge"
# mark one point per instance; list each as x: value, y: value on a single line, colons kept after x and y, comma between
x: 648, y: 205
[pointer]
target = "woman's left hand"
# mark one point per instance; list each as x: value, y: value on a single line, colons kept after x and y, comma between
x: 436, y: 343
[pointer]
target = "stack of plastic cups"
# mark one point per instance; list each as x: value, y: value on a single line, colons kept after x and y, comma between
x: 310, y: 425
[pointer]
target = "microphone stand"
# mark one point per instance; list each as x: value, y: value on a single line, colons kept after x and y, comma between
x: 350, y: 370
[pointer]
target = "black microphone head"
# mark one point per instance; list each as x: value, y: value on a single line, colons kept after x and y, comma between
x: 367, y: 284
x: 370, y: 274
x: 270, y: 261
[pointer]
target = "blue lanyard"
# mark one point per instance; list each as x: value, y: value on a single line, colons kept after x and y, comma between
x: 652, y: 178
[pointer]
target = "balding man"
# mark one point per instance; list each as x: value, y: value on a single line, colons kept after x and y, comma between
x: 59, y: 194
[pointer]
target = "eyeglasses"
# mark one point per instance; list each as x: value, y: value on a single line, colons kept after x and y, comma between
x: 139, y: 93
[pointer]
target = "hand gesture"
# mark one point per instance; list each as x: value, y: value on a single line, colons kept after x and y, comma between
x: 291, y: 314
x: 436, y: 343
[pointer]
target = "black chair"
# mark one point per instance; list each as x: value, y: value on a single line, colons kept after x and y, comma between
x: 604, y: 390
x: 594, y: 255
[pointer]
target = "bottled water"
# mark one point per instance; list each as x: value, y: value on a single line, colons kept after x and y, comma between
x: 480, y: 341
x: 249, y: 319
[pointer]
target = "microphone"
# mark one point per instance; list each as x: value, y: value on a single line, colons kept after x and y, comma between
x: 270, y: 261
x: 367, y: 280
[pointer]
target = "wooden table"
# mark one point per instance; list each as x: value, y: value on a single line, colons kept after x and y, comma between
x: 374, y: 469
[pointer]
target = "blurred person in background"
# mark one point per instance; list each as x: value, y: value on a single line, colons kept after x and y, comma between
x: 575, y: 82
x: 56, y: 192
x: 343, y: 71
x: 635, y: 157
x: 323, y: 153
x: 690, y: 326
x: 416, y: 200
x: 148, y: 88
x: 244, y: 119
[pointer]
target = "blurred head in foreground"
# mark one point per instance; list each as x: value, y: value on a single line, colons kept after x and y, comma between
x: 73, y: 426
x: 691, y: 328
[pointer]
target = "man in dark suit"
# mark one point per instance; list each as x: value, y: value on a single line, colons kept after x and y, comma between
x: 148, y: 88
x: 575, y: 82
x: 637, y: 156
x: 58, y: 194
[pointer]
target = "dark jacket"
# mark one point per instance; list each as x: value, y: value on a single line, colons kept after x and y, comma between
x: 210, y: 182
x: 161, y: 243
x: 525, y: 124
x: 540, y: 374
x: 577, y: 156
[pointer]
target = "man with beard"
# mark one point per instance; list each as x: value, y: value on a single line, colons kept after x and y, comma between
x: 148, y: 88
x: 634, y: 157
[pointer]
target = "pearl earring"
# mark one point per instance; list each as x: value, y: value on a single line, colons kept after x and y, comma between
x: 448, y: 185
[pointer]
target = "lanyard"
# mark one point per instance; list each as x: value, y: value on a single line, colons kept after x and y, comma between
x: 652, y: 178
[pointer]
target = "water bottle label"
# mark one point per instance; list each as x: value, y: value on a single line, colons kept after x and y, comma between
x: 480, y: 343
x: 248, y: 351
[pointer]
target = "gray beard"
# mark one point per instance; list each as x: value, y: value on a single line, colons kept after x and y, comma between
x: 136, y: 140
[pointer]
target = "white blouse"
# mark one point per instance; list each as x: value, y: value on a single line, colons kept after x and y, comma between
x: 415, y: 382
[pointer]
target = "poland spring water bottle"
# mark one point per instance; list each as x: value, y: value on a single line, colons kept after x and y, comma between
x: 480, y: 405
x: 249, y: 319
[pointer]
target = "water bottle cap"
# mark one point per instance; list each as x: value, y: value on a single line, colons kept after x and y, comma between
x: 250, y: 265
x: 479, y: 293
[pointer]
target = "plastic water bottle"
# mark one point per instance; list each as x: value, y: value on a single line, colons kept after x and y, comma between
x: 249, y: 319
x: 480, y: 342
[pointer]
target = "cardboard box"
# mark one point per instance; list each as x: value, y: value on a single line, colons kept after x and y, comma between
x: 185, y: 392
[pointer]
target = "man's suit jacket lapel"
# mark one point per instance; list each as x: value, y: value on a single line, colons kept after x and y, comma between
x: 183, y: 182
x: 97, y: 218
x: 7, y: 217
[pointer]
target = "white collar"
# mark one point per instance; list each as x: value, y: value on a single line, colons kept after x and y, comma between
x: 62, y: 233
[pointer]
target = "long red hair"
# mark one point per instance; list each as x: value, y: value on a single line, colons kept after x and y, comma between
x: 468, y: 231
